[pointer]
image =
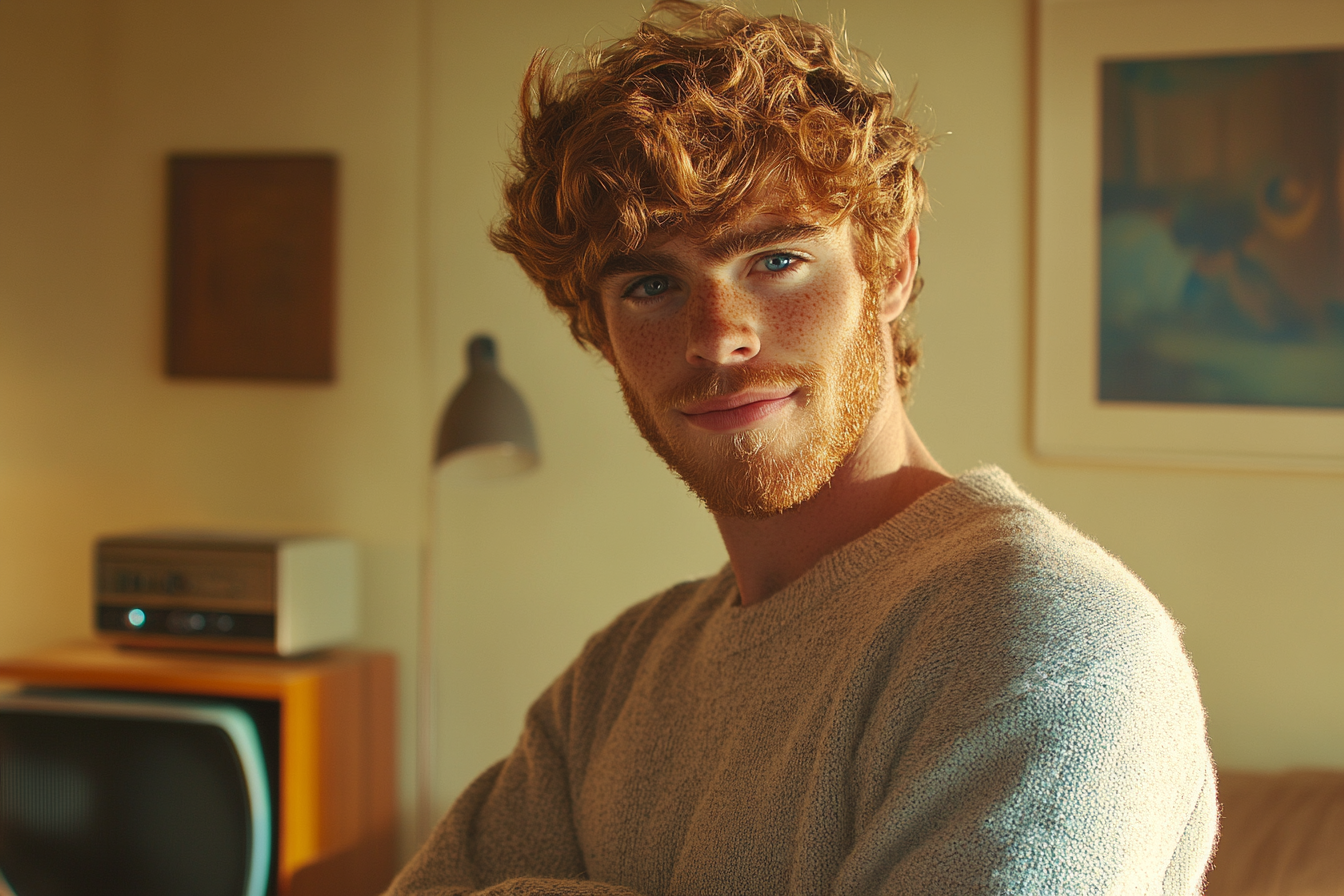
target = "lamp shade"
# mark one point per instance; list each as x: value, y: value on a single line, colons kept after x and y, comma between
x: 486, y: 427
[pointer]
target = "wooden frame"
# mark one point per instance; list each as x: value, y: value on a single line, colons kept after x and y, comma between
x: 251, y: 267
x: 337, y: 751
x: 1069, y: 422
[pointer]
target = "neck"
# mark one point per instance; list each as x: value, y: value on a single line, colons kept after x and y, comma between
x: 887, y: 472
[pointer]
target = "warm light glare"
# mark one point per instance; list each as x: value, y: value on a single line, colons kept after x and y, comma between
x: 493, y: 461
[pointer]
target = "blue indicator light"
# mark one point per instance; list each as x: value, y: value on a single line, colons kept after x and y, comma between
x: 135, y: 618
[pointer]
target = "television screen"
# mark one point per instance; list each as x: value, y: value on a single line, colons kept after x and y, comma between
x: 134, y: 794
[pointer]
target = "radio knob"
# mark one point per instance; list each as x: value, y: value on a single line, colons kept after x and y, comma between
x: 186, y: 623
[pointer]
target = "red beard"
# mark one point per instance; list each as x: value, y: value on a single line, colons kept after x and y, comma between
x: 763, y: 471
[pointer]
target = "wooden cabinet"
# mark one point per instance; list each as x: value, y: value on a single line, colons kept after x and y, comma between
x: 337, y: 809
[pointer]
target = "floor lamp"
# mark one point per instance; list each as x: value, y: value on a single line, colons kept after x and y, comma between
x: 486, y: 432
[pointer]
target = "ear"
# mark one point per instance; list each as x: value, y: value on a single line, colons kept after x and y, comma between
x: 896, y: 296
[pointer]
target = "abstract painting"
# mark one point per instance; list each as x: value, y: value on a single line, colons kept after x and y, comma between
x: 1221, y: 257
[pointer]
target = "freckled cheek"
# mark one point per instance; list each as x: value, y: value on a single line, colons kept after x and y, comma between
x: 643, y: 349
x: 820, y: 315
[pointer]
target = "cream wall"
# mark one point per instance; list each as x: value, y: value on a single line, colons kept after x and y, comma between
x: 417, y: 99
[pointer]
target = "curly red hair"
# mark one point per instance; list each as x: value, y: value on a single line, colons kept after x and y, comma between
x: 701, y: 118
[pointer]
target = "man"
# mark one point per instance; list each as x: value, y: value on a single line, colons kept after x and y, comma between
x: 902, y: 683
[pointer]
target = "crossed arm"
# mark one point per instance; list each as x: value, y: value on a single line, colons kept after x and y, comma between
x: 1081, y: 787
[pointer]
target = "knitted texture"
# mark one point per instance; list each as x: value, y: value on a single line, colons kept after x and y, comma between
x: 971, y: 698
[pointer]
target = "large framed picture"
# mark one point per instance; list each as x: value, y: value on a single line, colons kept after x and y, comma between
x: 1189, y: 214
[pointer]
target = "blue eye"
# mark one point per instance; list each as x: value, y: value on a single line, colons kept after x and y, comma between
x: 649, y: 287
x: 776, y: 263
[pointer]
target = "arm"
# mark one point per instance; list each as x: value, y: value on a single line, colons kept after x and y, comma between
x: 511, y: 832
x: 1093, y: 782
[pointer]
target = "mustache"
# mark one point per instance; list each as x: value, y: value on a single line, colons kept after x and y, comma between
x: 728, y: 380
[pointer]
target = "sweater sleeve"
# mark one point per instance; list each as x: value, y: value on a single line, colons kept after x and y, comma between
x: 511, y: 832
x: 1093, y: 783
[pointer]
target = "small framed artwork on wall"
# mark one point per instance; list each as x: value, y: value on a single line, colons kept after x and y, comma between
x: 1190, y: 232
x: 251, y: 267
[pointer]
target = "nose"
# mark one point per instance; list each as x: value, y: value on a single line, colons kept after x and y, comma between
x: 721, y: 327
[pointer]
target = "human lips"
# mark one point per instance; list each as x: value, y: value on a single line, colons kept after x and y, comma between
x: 739, y: 410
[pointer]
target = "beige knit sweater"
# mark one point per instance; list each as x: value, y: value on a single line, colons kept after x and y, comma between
x: 972, y: 698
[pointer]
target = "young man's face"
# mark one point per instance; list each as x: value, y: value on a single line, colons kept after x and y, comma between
x: 751, y: 363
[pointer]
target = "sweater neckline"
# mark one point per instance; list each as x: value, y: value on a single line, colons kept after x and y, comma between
x: 737, y: 628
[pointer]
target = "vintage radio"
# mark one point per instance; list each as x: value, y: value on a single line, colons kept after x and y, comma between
x: 253, y: 594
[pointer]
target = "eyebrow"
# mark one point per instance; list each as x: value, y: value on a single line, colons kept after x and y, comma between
x: 720, y: 249
x: 738, y: 243
x: 632, y: 262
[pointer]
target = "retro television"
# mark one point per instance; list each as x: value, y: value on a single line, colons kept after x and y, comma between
x: 134, y: 793
x: 166, y: 772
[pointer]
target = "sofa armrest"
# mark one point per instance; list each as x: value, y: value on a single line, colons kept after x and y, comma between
x: 1281, y: 834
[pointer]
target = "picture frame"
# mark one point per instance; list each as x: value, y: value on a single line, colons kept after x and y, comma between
x: 1070, y: 422
x: 251, y: 267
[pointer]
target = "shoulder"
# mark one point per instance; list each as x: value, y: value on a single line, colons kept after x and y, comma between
x: 1027, y: 575
x: 1034, y: 653
x: 1025, y: 602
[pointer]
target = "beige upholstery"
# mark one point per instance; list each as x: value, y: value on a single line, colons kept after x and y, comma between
x: 1281, y: 835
